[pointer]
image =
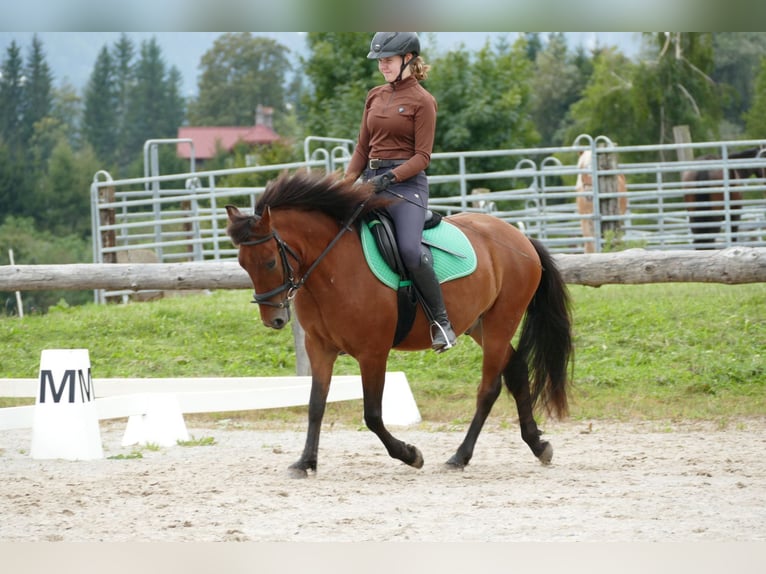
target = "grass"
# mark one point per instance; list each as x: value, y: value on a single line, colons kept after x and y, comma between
x: 193, y: 441
x: 667, y: 351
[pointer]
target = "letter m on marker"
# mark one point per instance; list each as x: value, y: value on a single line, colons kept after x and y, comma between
x: 46, y: 380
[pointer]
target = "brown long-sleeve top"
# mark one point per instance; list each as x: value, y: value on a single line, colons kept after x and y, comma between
x: 399, y: 122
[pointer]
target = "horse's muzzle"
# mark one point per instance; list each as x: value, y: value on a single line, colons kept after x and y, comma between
x: 277, y: 323
x: 277, y: 319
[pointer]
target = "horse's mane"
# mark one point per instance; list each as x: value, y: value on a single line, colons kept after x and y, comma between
x: 310, y: 191
x: 746, y: 154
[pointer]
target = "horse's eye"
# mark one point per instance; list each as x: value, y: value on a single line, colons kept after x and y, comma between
x: 271, y: 264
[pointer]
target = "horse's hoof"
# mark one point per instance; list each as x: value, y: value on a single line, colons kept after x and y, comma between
x: 297, y: 472
x: 546, y: 456
x: 454, y: 464
x: 418, y: 462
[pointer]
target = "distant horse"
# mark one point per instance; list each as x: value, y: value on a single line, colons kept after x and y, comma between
x: 584, y: 202
x: 302, y: 245
x: 703, y: 225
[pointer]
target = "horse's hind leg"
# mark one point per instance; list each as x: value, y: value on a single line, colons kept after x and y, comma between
x: 516, y: 376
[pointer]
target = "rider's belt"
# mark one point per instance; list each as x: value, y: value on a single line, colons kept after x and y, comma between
x: 381, y: 163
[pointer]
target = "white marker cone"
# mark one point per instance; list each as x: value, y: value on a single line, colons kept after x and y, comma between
x: 399, y: 407
x: 162, y: 422
x: 65, y: 423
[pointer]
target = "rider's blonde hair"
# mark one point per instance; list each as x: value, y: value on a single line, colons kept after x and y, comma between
x: 419, y: 68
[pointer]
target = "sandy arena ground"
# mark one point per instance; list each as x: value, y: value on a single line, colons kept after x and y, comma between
x: 686, y: 482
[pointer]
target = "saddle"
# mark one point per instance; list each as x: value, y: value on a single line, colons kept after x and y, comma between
x: 453, y: 257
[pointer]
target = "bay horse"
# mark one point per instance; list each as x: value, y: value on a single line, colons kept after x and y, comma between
x: 301, y: 245
x: 704, y: 225
x: 584, y: 201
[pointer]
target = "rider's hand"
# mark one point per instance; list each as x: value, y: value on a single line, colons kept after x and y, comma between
x: 382, y: 181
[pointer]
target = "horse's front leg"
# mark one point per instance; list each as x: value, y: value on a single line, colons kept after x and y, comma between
x: 321, y: 375
x: 373, y: 381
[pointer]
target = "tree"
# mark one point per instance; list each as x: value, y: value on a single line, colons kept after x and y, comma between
x: 340, y: 77
x: 100, y: 115
x: 606, y: 106
x: 65, y: 191
x: 68, y: 112
x: 534, y: 45
x: 238, y: 73
x: 12, y: 98
x: 175, y: 103
x: 737, y: 60
x: 678, y: 89
x: 484, y: 101
x: 147, y: 101
x: 640, y: 103
x: 38, y: 88
x: 13, y: 183
x: 755, y: 118
x: 123, y: 54
x: 14, y: 179
x: 556, y: 84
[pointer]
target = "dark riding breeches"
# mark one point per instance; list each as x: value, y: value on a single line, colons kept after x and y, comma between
x: 408, y: 214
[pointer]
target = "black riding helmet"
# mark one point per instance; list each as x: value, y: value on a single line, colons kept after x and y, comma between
x: 387, y: 44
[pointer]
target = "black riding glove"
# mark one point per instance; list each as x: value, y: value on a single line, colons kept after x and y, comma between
x: 382, y: 181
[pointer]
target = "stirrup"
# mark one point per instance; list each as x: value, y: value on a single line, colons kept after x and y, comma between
x: 442, y: 334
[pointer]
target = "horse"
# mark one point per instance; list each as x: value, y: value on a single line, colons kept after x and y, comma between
x: 704, y: 225
x: 301, y: 246
x: 584, y: 201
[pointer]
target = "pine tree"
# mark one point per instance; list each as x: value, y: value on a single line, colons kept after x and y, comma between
x: 174, y: 102
x: 12, y: 97
x: 16, y: 184
x: 37, y: 89
x: 149, y: 115
x: 123, y: 53
x: 100, y: 115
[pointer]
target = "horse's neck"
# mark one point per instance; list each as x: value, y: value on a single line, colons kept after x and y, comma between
x: 307, y: 232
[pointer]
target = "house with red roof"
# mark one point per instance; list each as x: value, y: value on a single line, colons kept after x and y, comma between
x: 208, y: 140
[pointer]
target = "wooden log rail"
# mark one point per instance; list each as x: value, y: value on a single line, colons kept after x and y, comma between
x: 733, y: 265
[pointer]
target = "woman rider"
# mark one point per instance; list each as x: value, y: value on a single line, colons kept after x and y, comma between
x: 392, y: 152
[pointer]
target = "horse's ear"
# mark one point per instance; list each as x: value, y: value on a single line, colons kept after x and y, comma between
x: 232, y: 212
x: 265, y: 222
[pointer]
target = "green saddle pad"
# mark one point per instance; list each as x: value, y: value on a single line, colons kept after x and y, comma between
x: 453, y: 254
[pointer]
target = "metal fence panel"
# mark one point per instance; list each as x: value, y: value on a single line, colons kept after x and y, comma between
x: 181, y: 217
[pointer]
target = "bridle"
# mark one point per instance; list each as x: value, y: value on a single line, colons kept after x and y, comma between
x: 290, y: 285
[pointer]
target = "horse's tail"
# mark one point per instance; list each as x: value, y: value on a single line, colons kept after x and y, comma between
x: 545, y: 343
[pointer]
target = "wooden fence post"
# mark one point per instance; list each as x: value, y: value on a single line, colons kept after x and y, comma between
x: 302, y: 364
x: 682, y: 135
x: 107, y: 217
x: 608, y: 184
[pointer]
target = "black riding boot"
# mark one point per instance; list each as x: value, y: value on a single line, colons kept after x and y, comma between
x: 442, y: 335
